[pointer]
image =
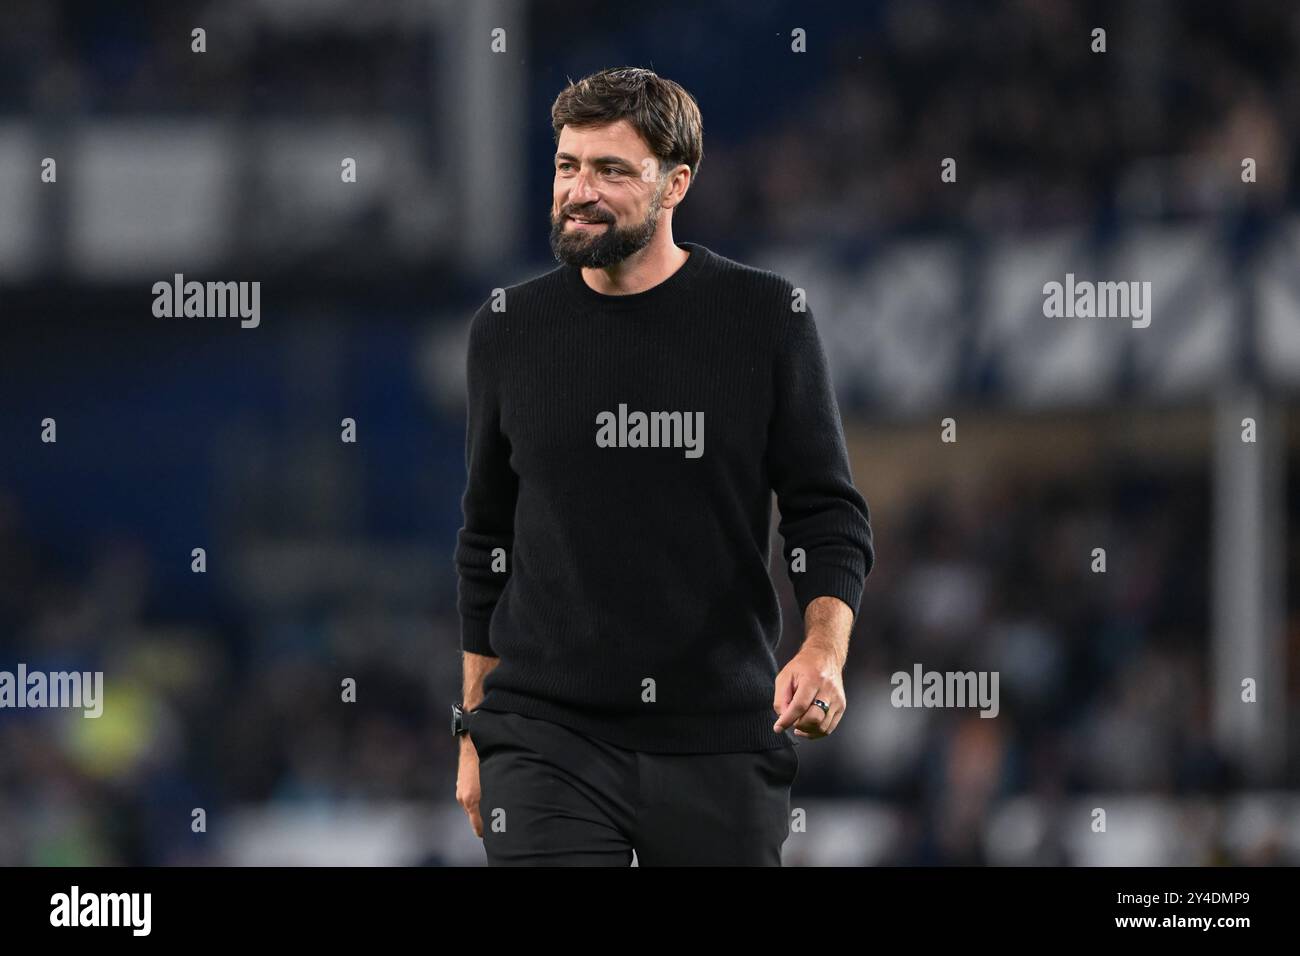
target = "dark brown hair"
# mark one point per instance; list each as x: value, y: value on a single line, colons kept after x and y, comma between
x: 665, y: 115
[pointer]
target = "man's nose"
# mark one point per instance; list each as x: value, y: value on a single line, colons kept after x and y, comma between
x: 583, y: 191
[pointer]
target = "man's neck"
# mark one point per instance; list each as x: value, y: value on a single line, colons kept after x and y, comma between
x: 640, y: 271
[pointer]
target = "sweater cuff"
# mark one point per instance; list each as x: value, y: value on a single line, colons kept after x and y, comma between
x: 474, y: 636
x: 828, y: 580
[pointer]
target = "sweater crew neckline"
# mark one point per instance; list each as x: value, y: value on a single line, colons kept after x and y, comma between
x: 674, y: 285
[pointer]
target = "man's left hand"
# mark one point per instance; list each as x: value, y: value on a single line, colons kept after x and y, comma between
x: 812, y: 674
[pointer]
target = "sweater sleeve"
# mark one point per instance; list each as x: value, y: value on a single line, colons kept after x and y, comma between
x: 491, y: 487
x: 808, y: 466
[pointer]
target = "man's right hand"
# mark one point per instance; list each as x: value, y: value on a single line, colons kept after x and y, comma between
x: 467, y: 788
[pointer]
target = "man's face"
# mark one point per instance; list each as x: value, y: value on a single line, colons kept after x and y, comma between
x: 608, y: 177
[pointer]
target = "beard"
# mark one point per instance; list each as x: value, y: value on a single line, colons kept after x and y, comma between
x: 586, y: 249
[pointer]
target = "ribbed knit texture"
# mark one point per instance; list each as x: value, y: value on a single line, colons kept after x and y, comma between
x: 639, y: 571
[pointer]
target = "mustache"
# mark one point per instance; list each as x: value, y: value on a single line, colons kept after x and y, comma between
x: 584, y: 214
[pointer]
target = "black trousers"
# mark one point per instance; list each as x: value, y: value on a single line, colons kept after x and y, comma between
x: 551, y: 796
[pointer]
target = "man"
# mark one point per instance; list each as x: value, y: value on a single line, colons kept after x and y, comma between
x: 630, y: 414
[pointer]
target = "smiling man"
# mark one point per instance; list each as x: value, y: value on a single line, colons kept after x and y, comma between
x: 618, y: 619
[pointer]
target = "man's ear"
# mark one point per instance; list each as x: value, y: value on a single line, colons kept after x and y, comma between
x: 685, y: 188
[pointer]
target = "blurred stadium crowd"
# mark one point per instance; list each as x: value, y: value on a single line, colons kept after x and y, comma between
x: 226, y: 697
x: 844, y: 147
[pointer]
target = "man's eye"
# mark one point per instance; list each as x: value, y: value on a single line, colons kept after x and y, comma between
x: 611, y: 169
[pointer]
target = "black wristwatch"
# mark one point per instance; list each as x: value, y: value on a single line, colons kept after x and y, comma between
x: 457, y: 720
